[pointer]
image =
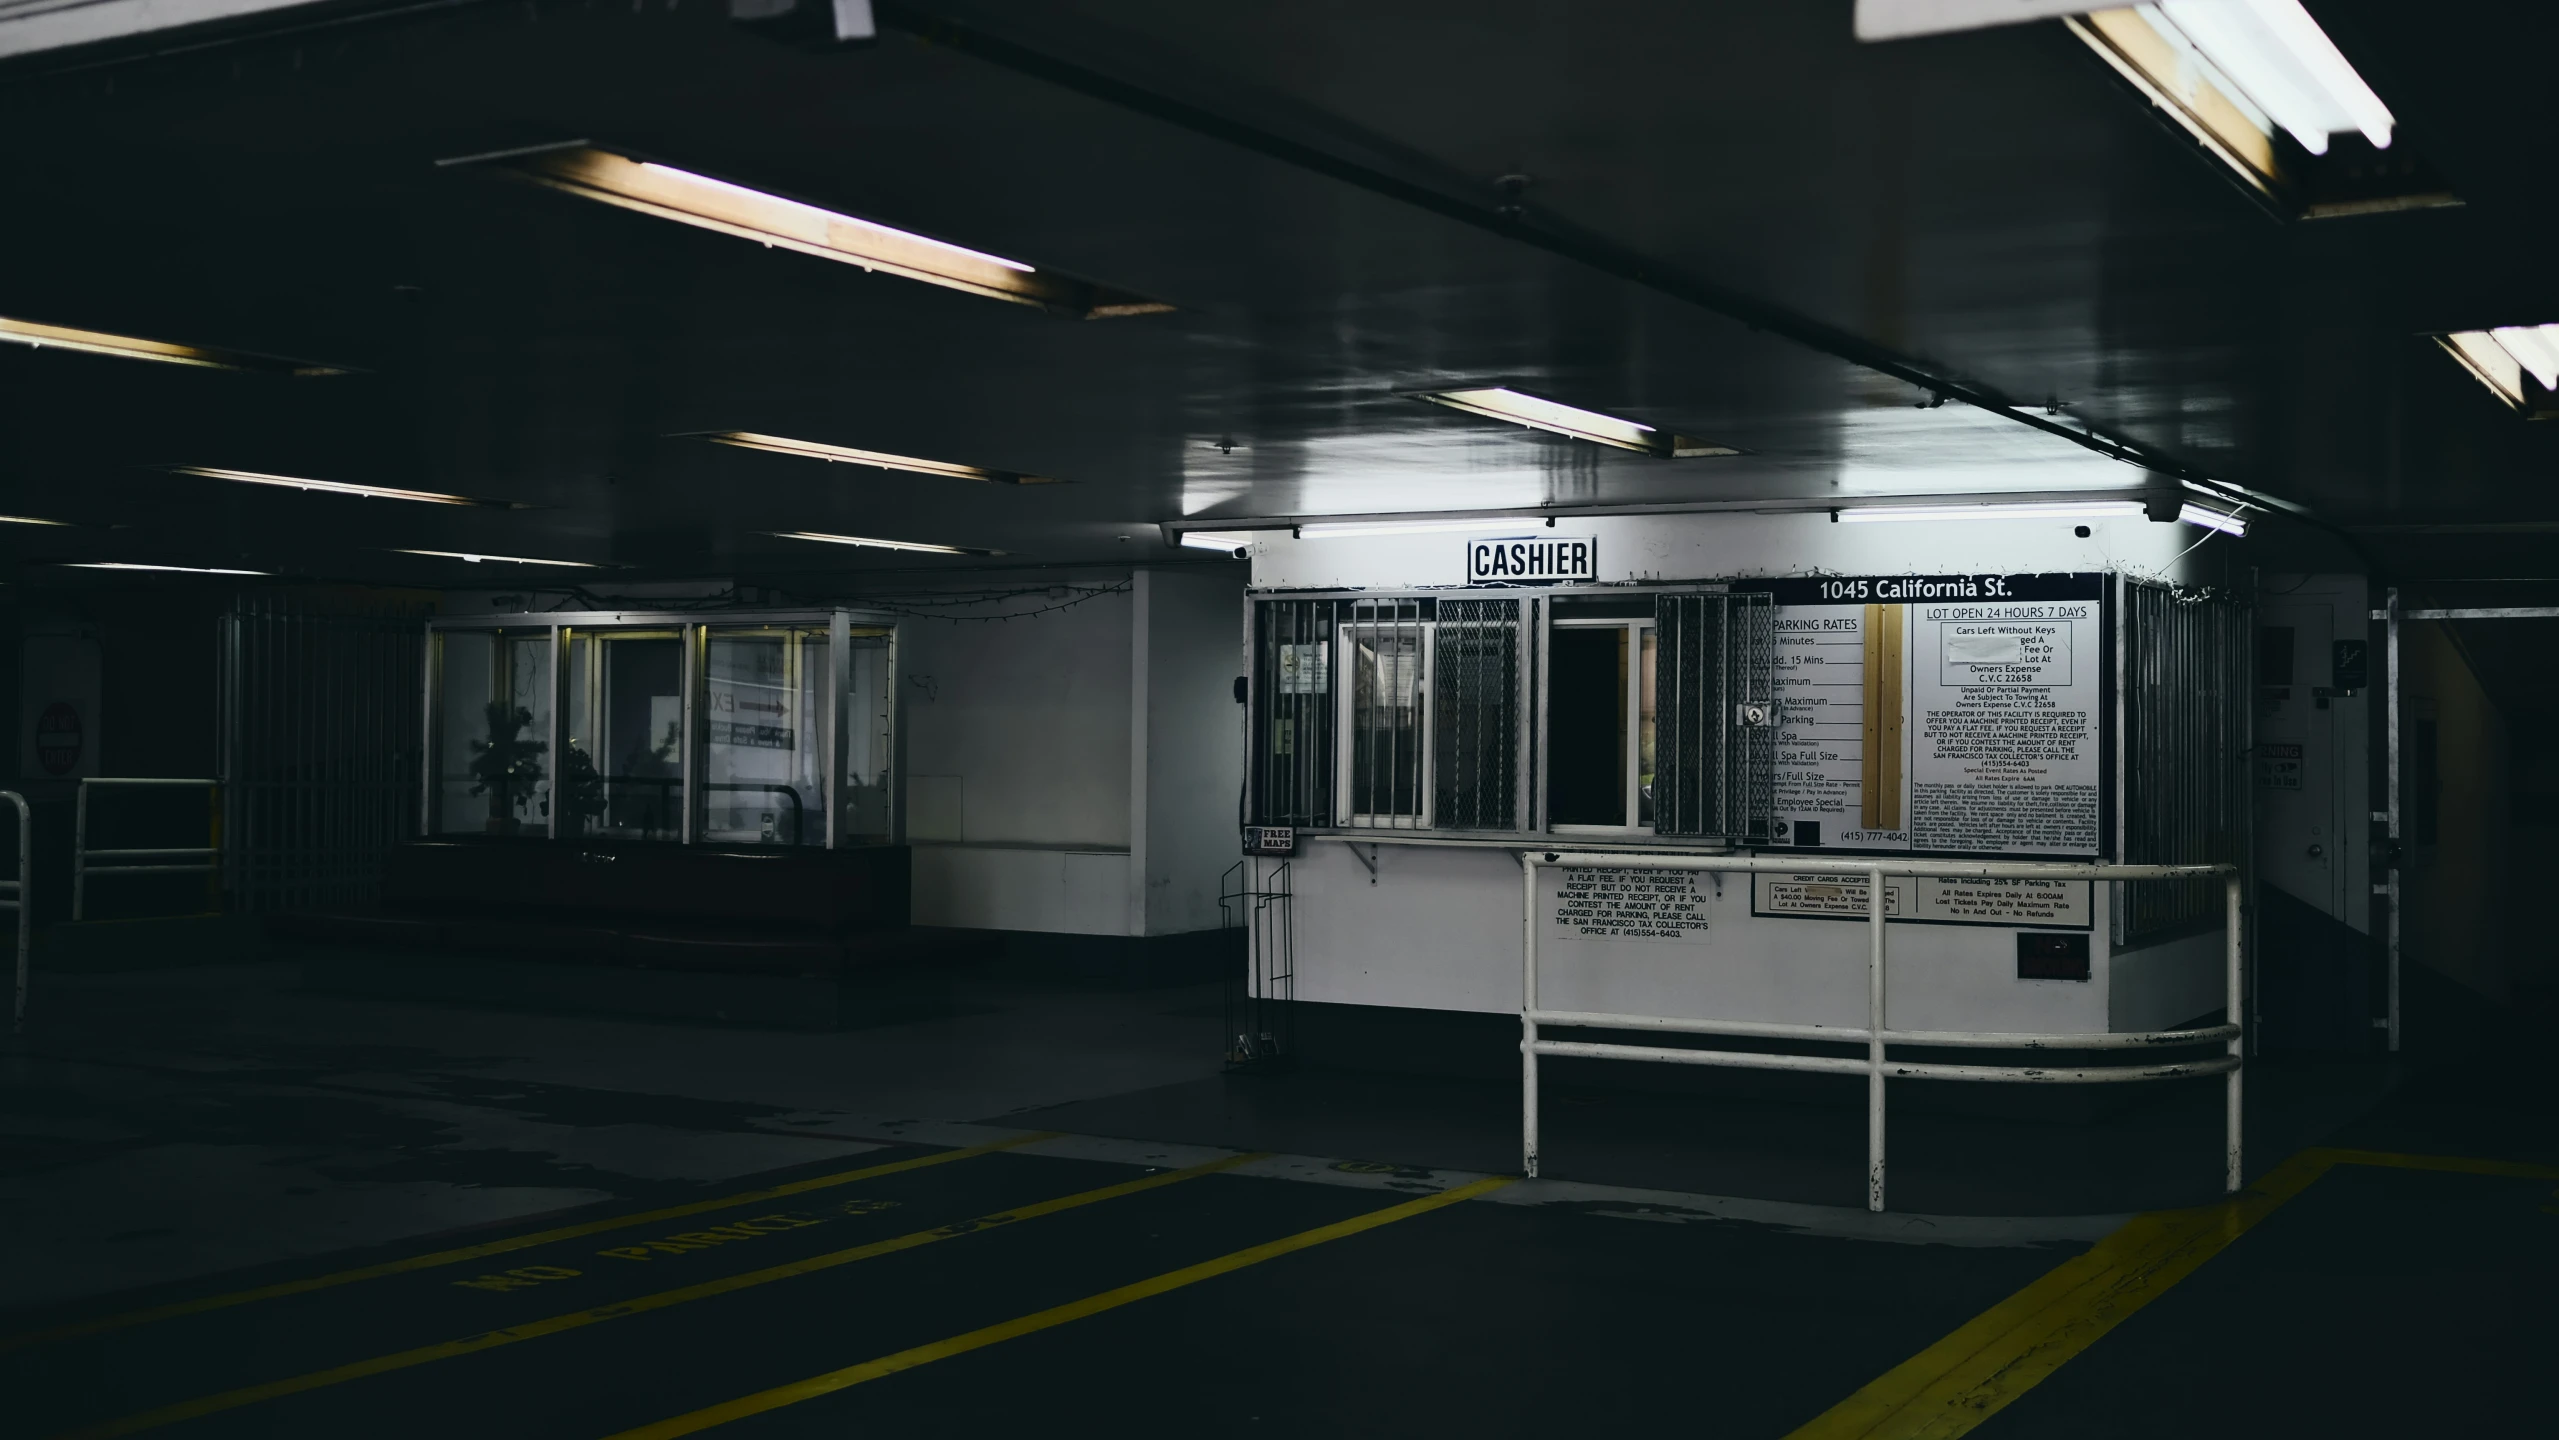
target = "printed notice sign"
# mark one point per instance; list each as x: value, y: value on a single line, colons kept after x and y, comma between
x: 2278, y: 766
x: 2044, y: 904
x: 2003, y: 752
x: 1611, y: 903
x: 1949, y: 713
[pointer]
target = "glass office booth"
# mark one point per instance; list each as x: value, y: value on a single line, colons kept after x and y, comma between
x: 742, y: 728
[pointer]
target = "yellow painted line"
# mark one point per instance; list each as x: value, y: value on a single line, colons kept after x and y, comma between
x: 498, y: 1247
x: 903, y: 1360
x: 2450, y: 1164
x: 2000, y: 1354
x: 579, y: 1319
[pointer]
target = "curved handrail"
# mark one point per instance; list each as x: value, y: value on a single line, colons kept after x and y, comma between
x: 1874, y: 1034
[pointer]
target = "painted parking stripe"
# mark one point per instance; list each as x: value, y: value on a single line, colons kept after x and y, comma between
x: 499, y: 1247
x: 579, y: 1319
x: 2007, y: 1350
x: 903, y: 1360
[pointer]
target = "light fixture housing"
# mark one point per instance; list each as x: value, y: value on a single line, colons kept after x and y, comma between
x: 1342, y: 529
x: 168, y: 569
x: 1227, y: 542
x: 870, y: 543
x: 476, y: 557
x: 2236, y: 74
x: 36, y: 334
x: 583, y: 169
x: 879, y: 459
x: 2518, y: 363
x: 328, y: 487
x: 1518, y: 407
x: 2030, y: 510
x: 2211, y: 519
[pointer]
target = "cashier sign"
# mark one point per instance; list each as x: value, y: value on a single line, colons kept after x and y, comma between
x: 1532, y: 560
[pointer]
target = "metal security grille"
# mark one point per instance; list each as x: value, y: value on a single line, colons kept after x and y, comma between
x: 2186, y: 684
x: 1292, y: 739
x: 1476, y: 693
x: 1385, y: 651
x: 1715, y: 707
x: 322, y: 710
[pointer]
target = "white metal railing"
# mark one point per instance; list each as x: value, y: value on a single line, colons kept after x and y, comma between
x: 1874, y: 1035
x: 209, y: 858
x: 16, y: 898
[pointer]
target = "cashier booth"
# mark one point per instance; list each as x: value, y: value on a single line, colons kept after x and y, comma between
x: 2068, y: 716
x: 741, y: 729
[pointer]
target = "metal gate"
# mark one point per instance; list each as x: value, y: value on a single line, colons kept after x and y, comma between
x: 321, y: 716
x: 1717, y: 714
x: 2186, y: 679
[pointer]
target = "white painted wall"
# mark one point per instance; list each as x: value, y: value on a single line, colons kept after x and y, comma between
x: 1440, y: 927
x: 1188, y: 750
x: 1734, y: 546
x: 1075, y: 771
x: 1017, y: 730
x: 1017, y: 776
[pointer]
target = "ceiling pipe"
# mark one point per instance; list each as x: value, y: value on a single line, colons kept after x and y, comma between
x: 1512, y: 220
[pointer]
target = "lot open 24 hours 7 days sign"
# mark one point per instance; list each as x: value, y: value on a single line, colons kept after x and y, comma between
x: 1955, y: 714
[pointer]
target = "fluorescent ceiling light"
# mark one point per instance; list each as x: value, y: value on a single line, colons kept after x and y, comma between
x: 1226, y: 541
x: 2282, y: 61
x: 2535, y: 348
x: 2234, y: 72
x: 37, y: 335
x: 869, y: 543
x: 2210, y: 519
x: 172, y: 569
x: 2501, y: 358
x: 847, y: 455
x: 731, y: 209
x: 501, y: 559
x: 1338, y: 529
x: 1520, y: 408
x: 2056, y: 510
x: 333, y: 487
x: 29, y: 520
x: 828, y: 217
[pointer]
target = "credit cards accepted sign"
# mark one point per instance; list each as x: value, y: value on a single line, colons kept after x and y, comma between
x: 1546, y: 559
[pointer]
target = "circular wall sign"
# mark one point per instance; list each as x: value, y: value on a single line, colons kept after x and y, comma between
x: 58, y: 739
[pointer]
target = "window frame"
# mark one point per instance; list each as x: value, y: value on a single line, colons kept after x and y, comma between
x: 843, y: 630
x: 1635, y: 628
x: 1345, y: 703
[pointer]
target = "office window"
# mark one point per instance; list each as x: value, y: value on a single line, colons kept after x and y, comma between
x: 493, y: 724
x: 870, y: 705
x: 764, y: 735
x: 622, y: 774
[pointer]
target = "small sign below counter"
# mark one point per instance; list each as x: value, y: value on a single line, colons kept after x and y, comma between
x: 1626, y: 903
x: 1928, y: 899
x: 1547, y: 559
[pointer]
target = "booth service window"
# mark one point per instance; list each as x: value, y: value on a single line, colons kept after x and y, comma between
x: 1418, y: 714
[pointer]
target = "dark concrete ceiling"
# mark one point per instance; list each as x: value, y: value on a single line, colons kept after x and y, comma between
x: 1727, y: 206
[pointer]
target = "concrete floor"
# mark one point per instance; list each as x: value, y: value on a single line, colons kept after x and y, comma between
x: 172, y: 1139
